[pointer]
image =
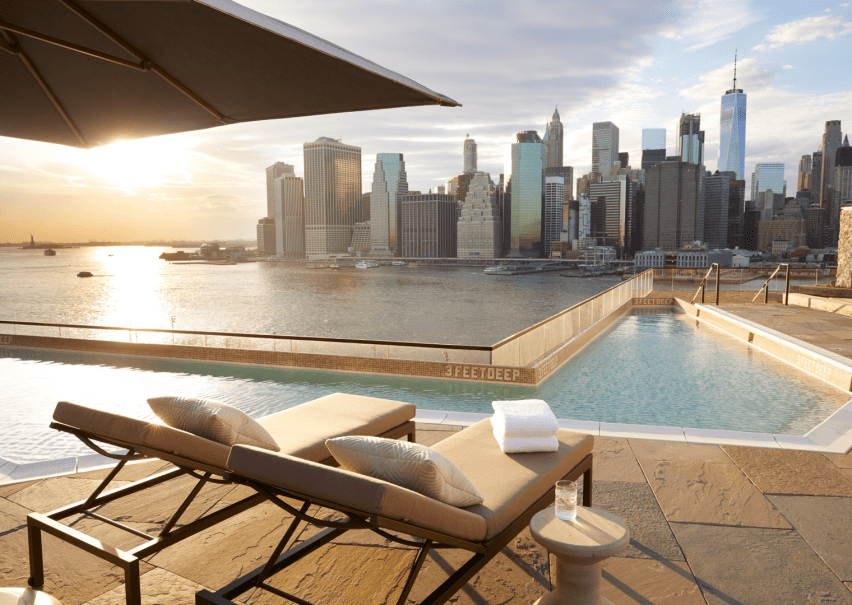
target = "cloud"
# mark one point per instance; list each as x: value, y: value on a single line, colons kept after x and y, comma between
x: 805, y: 30
x: 752, y: 76
x: 788, y: 67
x: 707, y: 22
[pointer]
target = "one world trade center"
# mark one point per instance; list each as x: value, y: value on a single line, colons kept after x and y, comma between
x: 733, y: 130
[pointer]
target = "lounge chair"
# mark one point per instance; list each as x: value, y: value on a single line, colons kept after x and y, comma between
x: 300, y: 431
x: 514, y: 487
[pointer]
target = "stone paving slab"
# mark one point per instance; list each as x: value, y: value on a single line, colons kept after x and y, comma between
x: 45, y: 496
x: 159, y: 587
x: 678, y: 452
x: 614, y: 461
x: 824, y: 524
x: 634, y: 503
x: 718, y: 494
x: 757, y: 566
x: 130, y: 472
x: 791, y: 472
x: 12, y: 516
x: 8, y: 490
x: 840, y: 460
x: 644, y: 581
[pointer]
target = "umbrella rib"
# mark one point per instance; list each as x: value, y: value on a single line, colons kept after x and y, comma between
x: 16, y: 48
x: 146, y: 62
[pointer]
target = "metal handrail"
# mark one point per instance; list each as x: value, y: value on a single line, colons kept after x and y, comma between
x: 765, y: 288
x: 703, y: 284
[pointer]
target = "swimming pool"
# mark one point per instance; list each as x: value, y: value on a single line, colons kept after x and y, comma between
x: 652, y: 366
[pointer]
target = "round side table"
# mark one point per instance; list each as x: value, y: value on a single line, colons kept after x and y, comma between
x: 580, y: 547
x: 26, y: 596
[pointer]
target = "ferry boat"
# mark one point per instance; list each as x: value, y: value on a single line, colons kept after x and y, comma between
x: 365, y: 265
x: 84, y: 274
x: 50, y: 252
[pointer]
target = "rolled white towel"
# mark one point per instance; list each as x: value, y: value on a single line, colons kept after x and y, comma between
x: 522, y: 445
x: 525, y: 418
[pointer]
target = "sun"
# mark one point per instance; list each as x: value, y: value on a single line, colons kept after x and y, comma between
x: 137, y: 164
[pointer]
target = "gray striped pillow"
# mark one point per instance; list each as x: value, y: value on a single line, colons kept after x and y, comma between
x: 410, y: 465
x: 212, y: 420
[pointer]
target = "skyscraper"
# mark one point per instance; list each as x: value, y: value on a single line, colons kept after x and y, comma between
x: 554, y: 196
x: 272, y: 173
x: 332, y: 195
x: 429, y: 226
x: 674, y: 215
x: 843, y: 174
x: 553, y: 137
x: 733, y: 130
x: 567, y: 173
x: 616, y: 193
x: 805, y: 167
x: 604, y: 146
x: 815, y: 179
x: 768, y: 176
x: 469, y: 155
x: 289, y: 216
x: 479, y: 224
x: 525, y: 175
x: 690, y: 142
x: 831, y: 139
x: 390, y: 183
x: 716, y: 208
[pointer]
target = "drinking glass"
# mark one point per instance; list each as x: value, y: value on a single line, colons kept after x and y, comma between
x: 566, y: 500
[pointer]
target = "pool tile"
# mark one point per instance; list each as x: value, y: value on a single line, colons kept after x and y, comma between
x: 794, y: 442
x: 678, y: 452
x: 824, y: 524
x: 835, y: 432
x: 643, y: 581
x: 718, y: 494
x: 641, y: 431
x: 49, y: 468
x: 634, y: 503
x: 710, y: 436
x: 790, y: 472
x: 614, y: 461
x: 464, y: 418
x: 757, y: 565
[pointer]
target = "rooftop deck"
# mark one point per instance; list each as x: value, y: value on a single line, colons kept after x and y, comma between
x: 709, y: 525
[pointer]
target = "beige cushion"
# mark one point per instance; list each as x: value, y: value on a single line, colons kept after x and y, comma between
x: 410, y: 465
x: 351, y: 490
x: 128, y: 431
x: 301, y: 431
x: 212, y: 420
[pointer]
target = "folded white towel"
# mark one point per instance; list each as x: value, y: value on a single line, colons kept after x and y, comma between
x: 519, y: 445
x: 525, y: 418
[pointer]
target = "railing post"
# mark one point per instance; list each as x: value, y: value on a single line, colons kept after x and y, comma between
x: 766, y: 291
x: 787, y: 286
x: 717, y: 283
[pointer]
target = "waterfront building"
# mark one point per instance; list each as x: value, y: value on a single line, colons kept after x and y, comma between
x: 584, y: 217
x: 553, y: 142
x: 266, y: 236
x: 650, y: 259
x: 716, y: 206
x: 289, y: 208
x: 690, y: 142
x: 479, y: 231
x: 732, y: 130
x: 361, y: 236
x: 567, y: 173
x: 604, y: 147
x: 390, y: 183
x: 273, y: 172
x: 429, y: 226
x: 789, y: 224
x: 831, y: 140
x: 702, y: 258
x: 554, y: 198
x: 674, y: 207
x: 617, y: 194
x: 332, y: 196
x: 469, y: 155
x: 525, y: 175
x: 805, y: 167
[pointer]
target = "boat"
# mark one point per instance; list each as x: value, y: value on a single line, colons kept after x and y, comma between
x: 84, y: 274
x: 398, y: 263
x: 50, y: 252
x: 365, y: 265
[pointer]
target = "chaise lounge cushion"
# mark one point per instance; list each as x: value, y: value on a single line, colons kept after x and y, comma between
x: 410, y: 465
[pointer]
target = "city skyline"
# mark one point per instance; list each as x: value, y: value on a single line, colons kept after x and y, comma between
x: 205, y: 185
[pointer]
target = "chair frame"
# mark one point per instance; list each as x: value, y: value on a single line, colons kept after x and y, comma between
x: 128, y: 560
x: 424, y: 540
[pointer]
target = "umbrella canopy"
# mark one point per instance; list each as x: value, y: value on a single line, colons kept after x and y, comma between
x: 90, y: 72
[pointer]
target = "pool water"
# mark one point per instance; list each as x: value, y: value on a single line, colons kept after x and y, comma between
x: 653, y: 366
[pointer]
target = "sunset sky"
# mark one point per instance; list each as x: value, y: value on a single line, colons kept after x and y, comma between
x: 638, y: 64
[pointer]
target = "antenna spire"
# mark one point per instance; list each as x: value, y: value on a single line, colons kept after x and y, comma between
x: 735, y: 69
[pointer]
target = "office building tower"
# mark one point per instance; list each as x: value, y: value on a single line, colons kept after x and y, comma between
x: 788, y: 225
x: 653, y: 138
x: 690, y: 141
x: 442, y: 189
x: 390, y: 183
x: 289, y: 209
x: 624, y: 159
x: 716, y: 207
x: 805, y: 167
x: 553, y: 137
x: 753, y: 197
x: 361, y: 243
x: 469, y: 155
x: 635, y: 230
x: 273, y: 172
x: 733, y: 130
x: 525, y: 171
x: 429, y: 226
x: 815, y: 226
x: 610, y: 228
x: 365, y: 207
x: 554, y: 198
x: 604, y: 147
x: 843, y: 175
x: 332, y: 196
x: 652, y: 157
x: 674, y: 213
x: 452, y: 185
x: 567, y: 173
x: 736, y: 206
x: 768, y: 177
x: 751, y: 229
x: 584, y: 217
x: 815, y: 178
x: 479, y: 232
x: 266, y: 236
x: 831, y: 140
x: 462, y: 185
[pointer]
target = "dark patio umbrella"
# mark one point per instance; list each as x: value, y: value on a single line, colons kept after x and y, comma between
x: 91, y: 72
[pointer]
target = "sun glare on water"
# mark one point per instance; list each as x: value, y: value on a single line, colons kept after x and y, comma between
x: 143, y: 163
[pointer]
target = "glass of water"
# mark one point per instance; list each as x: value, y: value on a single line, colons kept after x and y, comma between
x: 566, y: 500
